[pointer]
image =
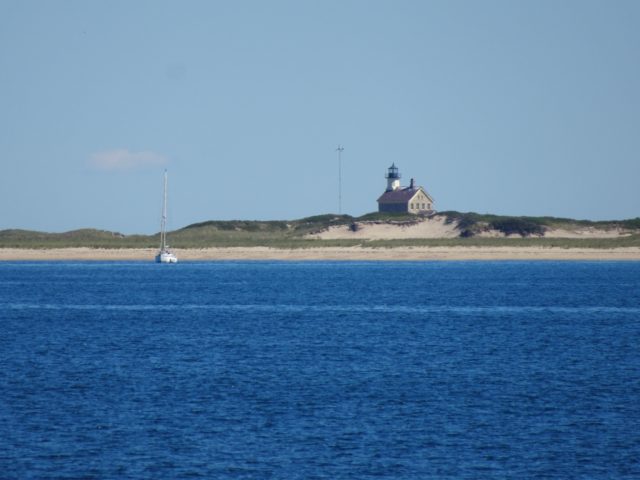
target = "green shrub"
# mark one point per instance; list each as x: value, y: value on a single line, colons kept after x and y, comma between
x: 387, y: 216
x: 517, y: 226
x: 633, y: 223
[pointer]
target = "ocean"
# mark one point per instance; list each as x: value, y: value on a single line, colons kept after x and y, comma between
x: 320, y: 370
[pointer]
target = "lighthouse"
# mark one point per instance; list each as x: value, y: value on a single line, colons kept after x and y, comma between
x: 396, y: 198
x: 393, y: 178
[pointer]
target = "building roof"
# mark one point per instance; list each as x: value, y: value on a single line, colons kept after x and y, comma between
x: 401, y: 195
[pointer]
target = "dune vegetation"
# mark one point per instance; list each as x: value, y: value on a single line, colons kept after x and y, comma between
x: 470, y: 230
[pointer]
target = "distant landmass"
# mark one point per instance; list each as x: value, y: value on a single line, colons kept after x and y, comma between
x: 377, y: 229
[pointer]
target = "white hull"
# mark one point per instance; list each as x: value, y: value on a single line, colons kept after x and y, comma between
x: 166, y: 257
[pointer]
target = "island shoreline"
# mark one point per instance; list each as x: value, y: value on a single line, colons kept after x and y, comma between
x: 358, y: 253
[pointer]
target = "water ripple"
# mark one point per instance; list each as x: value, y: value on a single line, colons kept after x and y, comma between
x: 354, y: 308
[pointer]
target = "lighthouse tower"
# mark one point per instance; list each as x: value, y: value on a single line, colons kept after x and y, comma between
x: 393, y: 178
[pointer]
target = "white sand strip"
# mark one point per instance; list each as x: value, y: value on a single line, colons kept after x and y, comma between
x: 330, y: 253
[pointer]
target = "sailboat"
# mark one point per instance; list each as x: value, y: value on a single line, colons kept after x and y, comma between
x: 165, y: 255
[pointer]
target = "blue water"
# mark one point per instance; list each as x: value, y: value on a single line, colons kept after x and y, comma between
x: 320, y: 370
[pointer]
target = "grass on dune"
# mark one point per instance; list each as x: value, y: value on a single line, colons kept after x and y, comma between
x: 294, y: 233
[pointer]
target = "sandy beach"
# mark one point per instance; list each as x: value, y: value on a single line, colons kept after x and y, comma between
x: 329, y: 253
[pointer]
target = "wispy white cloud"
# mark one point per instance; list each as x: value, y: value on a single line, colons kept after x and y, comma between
x: 123, y: 159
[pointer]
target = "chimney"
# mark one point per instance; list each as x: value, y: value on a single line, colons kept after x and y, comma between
x: 411, y: 184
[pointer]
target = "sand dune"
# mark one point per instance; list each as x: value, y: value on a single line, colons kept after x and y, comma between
x: 436, y: 227
x: 433, y: 227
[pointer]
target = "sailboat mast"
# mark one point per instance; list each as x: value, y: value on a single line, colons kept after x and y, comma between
x: 163, y: 223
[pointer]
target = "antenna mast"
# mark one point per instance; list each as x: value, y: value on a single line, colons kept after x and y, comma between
x: 339, y: 150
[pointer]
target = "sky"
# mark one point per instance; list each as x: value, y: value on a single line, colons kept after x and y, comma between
x: 505, y: 107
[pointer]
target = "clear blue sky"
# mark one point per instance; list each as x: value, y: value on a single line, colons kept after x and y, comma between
x: 507, y: 107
